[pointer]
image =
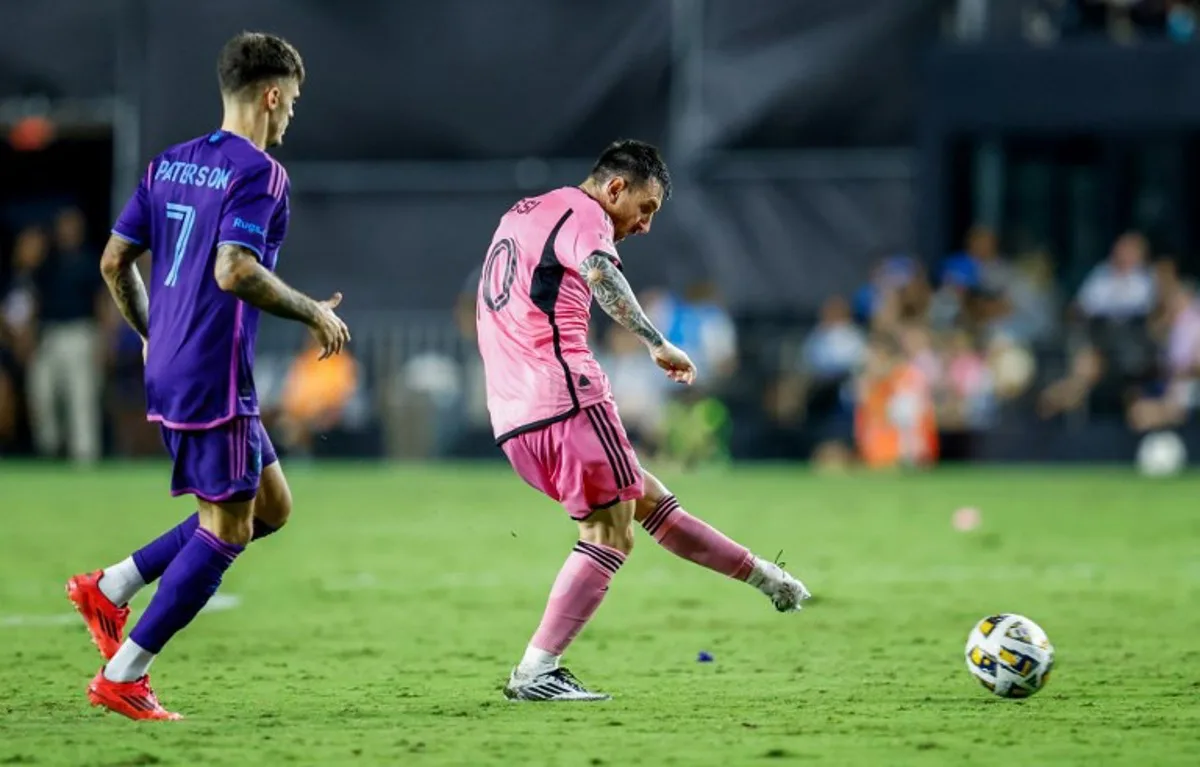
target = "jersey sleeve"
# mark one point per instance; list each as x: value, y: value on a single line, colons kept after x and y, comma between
x: 248, y: 212
x: 593, y: 234
x: 134, y: 222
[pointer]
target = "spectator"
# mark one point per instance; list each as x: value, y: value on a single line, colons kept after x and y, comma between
x: 701, y: 326
x: 963, y: 397
x: 19, y: 304
x: 316, y: 394
x: 896, y: 291
x: 979, y: 264
x: 18, y: 308
x: 811, y: 382
x: 640, y: 388
x: 1121, y: 287
x: 64, y: 371
x: 894, y: 417
x: 1167, y: 402
x: 974, y: 284
x: 836, y: 346
x: 1033, y: 300
x: 917, y: 343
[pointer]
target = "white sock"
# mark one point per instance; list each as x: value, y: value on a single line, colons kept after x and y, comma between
x: 129, y: 664
x: 121, y: 581
x: 537, y: 662
x: 764, y: 574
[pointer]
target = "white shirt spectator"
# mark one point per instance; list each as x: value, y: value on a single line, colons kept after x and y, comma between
x: 1114, y: 294
x: 834, y: 350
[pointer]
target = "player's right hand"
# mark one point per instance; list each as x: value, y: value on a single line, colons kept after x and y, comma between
x: 329, y: 330
x: 672, y: 359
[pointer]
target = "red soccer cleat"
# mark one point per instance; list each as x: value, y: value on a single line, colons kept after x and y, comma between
x: 132, y: 699
x: 105, y: 621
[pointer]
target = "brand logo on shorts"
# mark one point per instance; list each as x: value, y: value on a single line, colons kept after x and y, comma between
x: 585, y: 381
x: 256, y: 461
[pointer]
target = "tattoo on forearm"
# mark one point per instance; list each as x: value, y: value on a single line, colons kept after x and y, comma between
x: 119, y: 268
x: 239, y: 272
x: 616, y: 298
x: 129, y: 292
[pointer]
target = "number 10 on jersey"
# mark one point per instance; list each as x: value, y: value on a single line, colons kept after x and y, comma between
x: 187, y: 215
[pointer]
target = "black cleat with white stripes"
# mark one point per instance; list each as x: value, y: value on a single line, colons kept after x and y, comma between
x: 557, y: 685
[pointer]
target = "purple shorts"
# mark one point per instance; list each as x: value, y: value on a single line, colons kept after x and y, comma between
x: 223, y: 464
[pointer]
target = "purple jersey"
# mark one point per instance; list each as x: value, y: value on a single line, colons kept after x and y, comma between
x: 216, y: 189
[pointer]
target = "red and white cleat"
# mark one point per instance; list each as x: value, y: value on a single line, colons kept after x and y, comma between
x: 105, y: 621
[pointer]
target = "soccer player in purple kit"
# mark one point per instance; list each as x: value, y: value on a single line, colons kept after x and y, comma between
x: 213, y: 213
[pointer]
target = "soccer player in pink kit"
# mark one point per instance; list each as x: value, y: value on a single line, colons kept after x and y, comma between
x: 553, y: 412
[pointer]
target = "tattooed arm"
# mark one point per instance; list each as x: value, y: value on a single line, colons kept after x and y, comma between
x: 238, y: 271
x: 616, y: 298
x: 118, y: 265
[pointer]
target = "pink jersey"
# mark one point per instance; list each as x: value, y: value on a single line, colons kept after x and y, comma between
x: 533, y: 310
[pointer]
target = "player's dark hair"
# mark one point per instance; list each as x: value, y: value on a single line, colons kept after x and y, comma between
x: 254, y: 57
x: 637, y: 161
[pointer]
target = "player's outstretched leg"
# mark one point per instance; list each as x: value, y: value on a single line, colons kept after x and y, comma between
x: 605, y: 540
x: 101, y: 597
x: 696, y: 541
x: 190, y: 580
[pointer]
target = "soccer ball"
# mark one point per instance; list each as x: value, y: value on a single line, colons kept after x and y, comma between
x: 1010, y: 655
x: 1161, y: 454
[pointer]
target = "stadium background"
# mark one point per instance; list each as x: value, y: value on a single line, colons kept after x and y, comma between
x: 823, y: 151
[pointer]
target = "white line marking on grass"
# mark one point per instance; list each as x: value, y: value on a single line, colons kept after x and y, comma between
x: 219, y: 603
x: 21, y: 621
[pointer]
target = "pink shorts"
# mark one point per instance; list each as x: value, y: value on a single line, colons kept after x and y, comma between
x: 584, y: 462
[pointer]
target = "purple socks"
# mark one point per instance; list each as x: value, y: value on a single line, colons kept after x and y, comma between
x: 188, y: 582
x: 153, y: 559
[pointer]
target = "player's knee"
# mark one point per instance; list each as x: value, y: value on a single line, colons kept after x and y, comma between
x: 275, y: 510
x: 232, y: 523
x: 614, y: 537
x: 612, y: 527
x: 654, y: 492
x: 273, y: 504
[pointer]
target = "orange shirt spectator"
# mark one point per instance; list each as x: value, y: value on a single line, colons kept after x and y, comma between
x: 894, y: 420
x: 316, y: 391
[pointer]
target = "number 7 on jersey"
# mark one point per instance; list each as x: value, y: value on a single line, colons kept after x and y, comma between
x: 186, y: 214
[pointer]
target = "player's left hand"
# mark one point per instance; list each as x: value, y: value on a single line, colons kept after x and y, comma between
x: 678, y: 365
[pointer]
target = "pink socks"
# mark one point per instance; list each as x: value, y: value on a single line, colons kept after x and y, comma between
x: 578, y: 591
x: 694, y: 540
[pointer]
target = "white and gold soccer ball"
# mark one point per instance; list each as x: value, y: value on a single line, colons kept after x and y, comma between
x: 1010, y: 655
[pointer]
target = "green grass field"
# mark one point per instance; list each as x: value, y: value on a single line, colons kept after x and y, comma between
x: 379, y: 626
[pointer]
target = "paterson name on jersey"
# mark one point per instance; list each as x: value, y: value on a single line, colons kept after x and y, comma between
x: 216, y: 189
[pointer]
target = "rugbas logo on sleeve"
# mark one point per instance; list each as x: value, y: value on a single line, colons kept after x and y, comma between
x: 240, y: 223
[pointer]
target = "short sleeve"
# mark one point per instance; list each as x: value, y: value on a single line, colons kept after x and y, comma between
x: 593, y: 234
x: 248, y: 212
x: 134, y: 222
x: 279, y: 226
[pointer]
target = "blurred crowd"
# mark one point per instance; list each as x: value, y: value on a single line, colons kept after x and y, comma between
x: 1045, y: 21
x: 71, y: 368
x: 919, y: 364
